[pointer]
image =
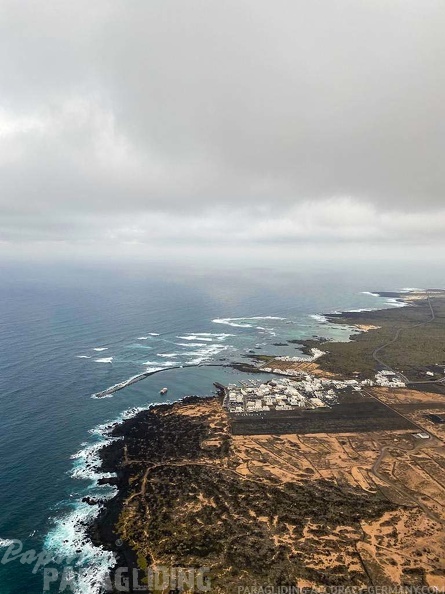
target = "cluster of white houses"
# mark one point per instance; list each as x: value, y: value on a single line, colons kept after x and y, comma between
x: 303, y: 391
x: 388, y: 379
x: 315, y: 354
x: 284, y: 394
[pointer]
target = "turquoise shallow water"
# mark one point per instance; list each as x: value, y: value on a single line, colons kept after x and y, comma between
x: 66, y: 333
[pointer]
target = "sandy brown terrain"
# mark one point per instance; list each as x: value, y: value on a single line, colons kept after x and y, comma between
x: 403, y: 545
x: 410, y: 541
x: 352, y: 495
x: 407, y: 542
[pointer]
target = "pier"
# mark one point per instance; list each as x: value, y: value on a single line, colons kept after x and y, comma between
x: 142, y: 376
x: 133, y: 380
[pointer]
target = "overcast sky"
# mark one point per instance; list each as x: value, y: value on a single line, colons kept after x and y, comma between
x: 253, y: 125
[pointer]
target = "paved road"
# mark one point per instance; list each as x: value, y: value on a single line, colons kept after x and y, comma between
x: 398, y: 487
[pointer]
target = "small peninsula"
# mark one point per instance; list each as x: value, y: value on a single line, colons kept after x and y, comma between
x: 332, y: 472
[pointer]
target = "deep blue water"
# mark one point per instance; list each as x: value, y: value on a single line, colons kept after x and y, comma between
x: 52, y: 319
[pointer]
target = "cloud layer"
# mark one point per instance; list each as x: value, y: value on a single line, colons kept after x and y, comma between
x: 222, y: 122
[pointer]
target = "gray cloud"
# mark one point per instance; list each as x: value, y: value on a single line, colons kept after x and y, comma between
x: 204, y: 121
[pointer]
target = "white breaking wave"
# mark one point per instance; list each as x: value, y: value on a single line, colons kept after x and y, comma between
x: 263, y: 318
x: 244, y: 322
x: 194, y: 337
x: 205, y: 346
x: 104, y: 360
x: 87, y: 462
x: 69, y: 534
x: 93, y: 564
x: 142, y: 338
x: 395, y: 303
x: 6, y: 542
x: 319, y: 318
x: 217, y: 335
x: 103, y: 430
x: 83, y: 357
x: 369, y: 293
x: 153, y: 334
x: 205, y: 354
x: 99, y: 349
x: 231, y: 322
x: 411, y: 290
x: 206, y: 337
x: 158, y: 365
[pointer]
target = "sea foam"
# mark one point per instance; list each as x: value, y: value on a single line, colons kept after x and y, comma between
x: 171, y: 363
x: 219, y: 335
x: 70, y: 532
x: 235, y: 322
x: 395, y: 302
x: 206, y: 353
x: 319, y: 318
x: 263, y: 318
x: 195, y: 337
x: 244, y: 322
x: 411, y: 290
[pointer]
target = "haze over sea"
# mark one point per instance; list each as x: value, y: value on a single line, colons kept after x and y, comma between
x: 68, y: 332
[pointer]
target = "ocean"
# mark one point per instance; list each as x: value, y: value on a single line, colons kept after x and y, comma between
x: 68, y: 332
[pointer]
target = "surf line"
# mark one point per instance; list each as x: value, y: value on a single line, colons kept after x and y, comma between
x: 142, y: 376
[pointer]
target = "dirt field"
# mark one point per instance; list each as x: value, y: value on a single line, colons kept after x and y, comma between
x: 312, y: 500
x: 400, y: 536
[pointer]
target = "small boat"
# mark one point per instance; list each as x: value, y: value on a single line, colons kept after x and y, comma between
x: 163, y: 391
